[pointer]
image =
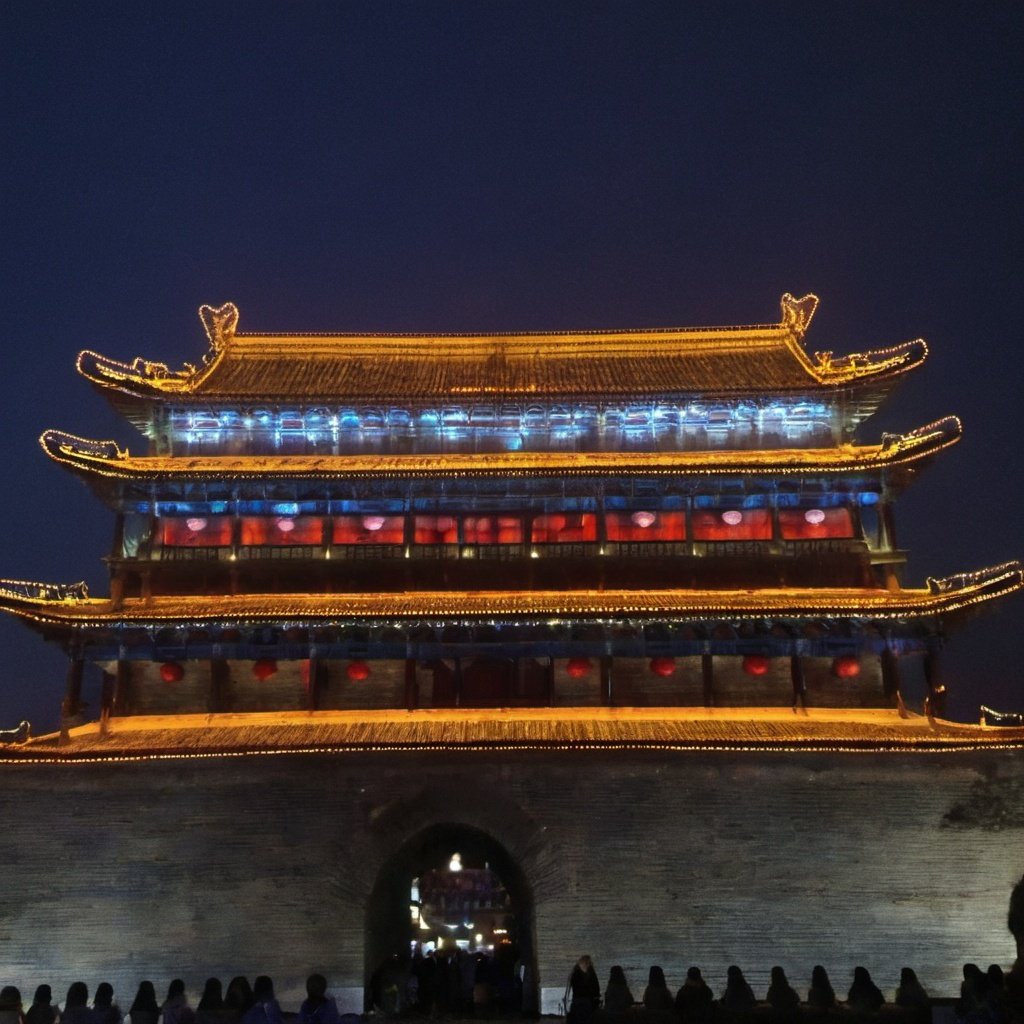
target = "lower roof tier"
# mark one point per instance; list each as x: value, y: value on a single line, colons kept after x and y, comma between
x: 70, y: 607
x: 832, y: 730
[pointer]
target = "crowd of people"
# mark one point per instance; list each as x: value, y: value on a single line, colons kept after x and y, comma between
x: 240, y: 1003
x: 453, y: 982
x: 985, y: 998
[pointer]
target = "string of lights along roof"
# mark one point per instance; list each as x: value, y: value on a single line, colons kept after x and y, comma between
x: 502, y: 541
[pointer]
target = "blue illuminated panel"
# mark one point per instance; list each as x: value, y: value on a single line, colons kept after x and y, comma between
x: 670, y: 425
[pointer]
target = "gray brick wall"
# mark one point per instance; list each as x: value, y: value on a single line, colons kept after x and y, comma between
x: 220, y: 866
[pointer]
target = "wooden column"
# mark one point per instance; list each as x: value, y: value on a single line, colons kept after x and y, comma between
x: 313, y: 684
x: 935, y: 700
x: 458, y: 682
x: 602, y: 538
x: 549, y: 683
x: 220, y: 677
x: 890, y: 674
x: 607, y: 695
x: 72, y: 704
x: 796, y: 672
x: 123, y: 687
x: 412, y: 686
x: 106, y: 701
x: 236, y: 546
x: 707, y: 669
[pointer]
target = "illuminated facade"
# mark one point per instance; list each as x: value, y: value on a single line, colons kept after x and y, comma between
x: 456, y: 579
x: 676, y: 518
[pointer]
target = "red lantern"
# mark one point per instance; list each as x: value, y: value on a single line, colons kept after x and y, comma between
x: 846, y: 667
x: 663, y: 666
x: 264, y: 668
x: 578, y: 667
x: 172, y: 672
x: 756, y: 665
x: 357, y: 671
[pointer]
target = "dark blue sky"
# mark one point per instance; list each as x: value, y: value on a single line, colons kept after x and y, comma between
x: 514, y: 165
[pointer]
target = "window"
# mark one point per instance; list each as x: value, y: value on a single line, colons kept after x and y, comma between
x: 813, y: 523
x: 281, y: 530
x: 492, y: 530
x: 196, y: 531
x: 436, y: 530
x: 369, y: 529
x: 564, y: 528
x: 732, y: 524
x: 645, y: 525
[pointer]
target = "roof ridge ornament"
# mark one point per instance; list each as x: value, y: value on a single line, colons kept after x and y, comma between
x: 797, y: 313
x: 1012, y: 571
x: 220, y: 323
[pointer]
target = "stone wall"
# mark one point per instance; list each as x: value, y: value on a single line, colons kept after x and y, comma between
x: 267, y: 864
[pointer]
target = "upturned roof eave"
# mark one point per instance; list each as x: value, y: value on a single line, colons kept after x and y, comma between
x: 667, y: 729
x: 104, y: 459
x: 137, y: 399
x: 134, y: 388
x: 942, y: 597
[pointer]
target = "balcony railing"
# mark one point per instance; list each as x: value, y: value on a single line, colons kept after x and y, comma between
x: 512, y: 552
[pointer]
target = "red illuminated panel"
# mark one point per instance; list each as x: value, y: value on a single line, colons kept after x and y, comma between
x: 492, y: 530
x: 814, y: 523
x: 196, y: 531
x: 368, y: 529
x: 436, y: 530
x: 280, y: 531
x: 732, y: 524
x: 564, y: 528
x: 645, y: 525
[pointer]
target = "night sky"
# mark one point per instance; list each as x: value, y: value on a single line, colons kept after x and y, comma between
x: 486, y: 165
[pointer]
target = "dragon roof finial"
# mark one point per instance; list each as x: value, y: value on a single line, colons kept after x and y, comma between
x: 797, y: 313
x: 220, y: 323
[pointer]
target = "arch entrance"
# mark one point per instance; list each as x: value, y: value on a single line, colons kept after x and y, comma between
x: 450, y: 927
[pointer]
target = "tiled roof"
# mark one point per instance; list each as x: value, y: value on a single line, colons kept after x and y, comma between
x: 106, y: 459
x: 326, y: 732
x: 412, y: 368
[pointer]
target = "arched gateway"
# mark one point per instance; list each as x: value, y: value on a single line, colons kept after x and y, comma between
x: 506, y: 905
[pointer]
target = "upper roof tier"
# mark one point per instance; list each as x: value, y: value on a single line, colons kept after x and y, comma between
x: 414, y: 369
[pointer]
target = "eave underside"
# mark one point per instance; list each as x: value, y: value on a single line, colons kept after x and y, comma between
x: 665, y: 729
